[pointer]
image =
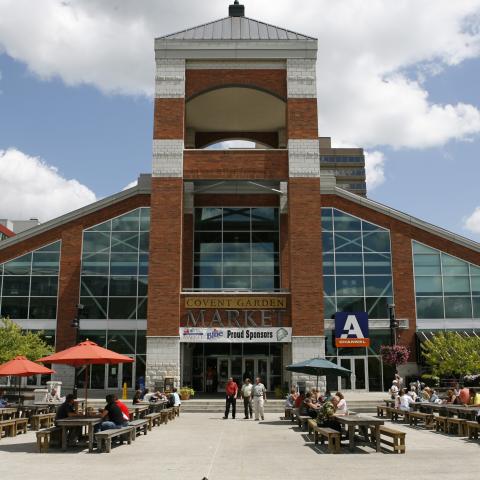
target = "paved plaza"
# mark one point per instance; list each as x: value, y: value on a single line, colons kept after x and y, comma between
x: 197, y: 445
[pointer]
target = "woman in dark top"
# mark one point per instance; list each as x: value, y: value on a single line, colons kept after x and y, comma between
x: 137, y: 397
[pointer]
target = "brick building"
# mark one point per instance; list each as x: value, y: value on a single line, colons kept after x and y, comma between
x: 225, y: 262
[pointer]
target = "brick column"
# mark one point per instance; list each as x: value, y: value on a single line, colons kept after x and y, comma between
x: 165, y: 271
x: 304, y: 212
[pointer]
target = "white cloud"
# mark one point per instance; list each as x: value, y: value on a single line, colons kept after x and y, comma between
x: 30, y: 188
x: 373, y: 56
x: 375, y: 169
x: 472, y: 222
x: 132, y: 184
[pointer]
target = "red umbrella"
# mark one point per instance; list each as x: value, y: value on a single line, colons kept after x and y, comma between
x: 22, y: 367
x: 86, y: 353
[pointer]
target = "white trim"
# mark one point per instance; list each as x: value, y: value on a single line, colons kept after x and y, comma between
x: 235, y: 65
x: 91, y: 324
x: 36, y: 324
x: 448, y: 323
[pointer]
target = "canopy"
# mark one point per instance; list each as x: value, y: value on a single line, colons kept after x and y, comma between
x: 22, y: 367
x: 317, y: 367
x: 86, y: 353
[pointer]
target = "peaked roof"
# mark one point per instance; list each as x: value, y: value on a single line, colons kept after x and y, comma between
x: 236, y: 28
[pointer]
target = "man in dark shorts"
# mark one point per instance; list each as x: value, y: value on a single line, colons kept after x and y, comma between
x: 112, y: 416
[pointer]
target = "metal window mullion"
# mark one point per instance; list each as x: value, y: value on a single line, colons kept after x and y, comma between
x: 363, y: 268
x: 443, y: 288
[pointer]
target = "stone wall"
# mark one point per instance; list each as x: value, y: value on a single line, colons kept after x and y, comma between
x: 163, y: 360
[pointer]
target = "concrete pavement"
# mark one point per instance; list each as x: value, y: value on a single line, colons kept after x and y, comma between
x: 197, y: 445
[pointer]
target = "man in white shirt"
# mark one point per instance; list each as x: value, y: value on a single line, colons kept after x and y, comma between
x: 247, y: 388
x: 259, y: 393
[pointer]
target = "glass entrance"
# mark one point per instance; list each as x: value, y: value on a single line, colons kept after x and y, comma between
x: 358, y: 378
x: 239, y: 369
x: 254, y: 367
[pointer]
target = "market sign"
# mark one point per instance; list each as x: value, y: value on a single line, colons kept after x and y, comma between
x: 235, y: 335
x: 249, y: 302
x: 351, y: 329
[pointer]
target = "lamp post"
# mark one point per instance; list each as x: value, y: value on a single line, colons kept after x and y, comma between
x: 393, y: 324
x: 76, y: 326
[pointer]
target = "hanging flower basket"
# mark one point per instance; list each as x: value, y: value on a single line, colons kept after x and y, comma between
x: 395, y: 354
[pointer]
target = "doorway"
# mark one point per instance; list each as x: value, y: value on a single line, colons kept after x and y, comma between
x: 358, y: 378
x: 239, y: 368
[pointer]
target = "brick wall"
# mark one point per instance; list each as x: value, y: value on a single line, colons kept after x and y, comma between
x: 271, y: 80
x: 232, y: 165
x: 302, y: 120
x: 187, y: 246
x: 169, y: 118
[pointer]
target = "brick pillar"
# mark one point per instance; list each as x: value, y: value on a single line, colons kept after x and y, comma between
x: 304, y: 213
x: 165, y: 271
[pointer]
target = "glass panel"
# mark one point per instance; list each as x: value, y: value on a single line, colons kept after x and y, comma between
x: 345, y: 304
x: 96, y: 242
x: 344, y: 221
x: 122, y: 308
x: 237, y: 282
x: 140, y: 372
x: 329, y: 307
x: 15, y: 307
x: 377, y: 263
x: 348, y: 242
x: 44, y: 286
x: 123, y: 264
x: 142, y: 305
x: 102, y: 227
x: 124, y: 242
x: 141, y: 342
x: 123, y: 286
x: 142, y: 286
x: 145, y: 219
x: 327, y: 241
x: 52, y: 247
x: 377, y: 307
x: 127, y: 375
x: 360, y: 377
x: 456, y: 285
x: 328, y: 264
x: 348, y: 264
x: 95, y: 264
x: 113, y: 376
x: 427, y: 264
x: 95, y: 308
x: 145, y: 242
x: 453, y: 266
x: 208, y: 242
x: 97, y: 376
x: 208, y: 282
x: 265, y: 242
x: 236, y: 242
x: 143, y: 265
x: 43, y: 307
x: 121, y: 341
x: 208, y: 264
x: 94, y: 286
x: 208, y: 219
x: 16, y: 286
x: 236, y: 219
x: 458, y: 307
x: 474, y: 270
x: 349, y: 286
x: 346, y: 382
x: 327, y: 219
x: 429, y: 286
x: 45, y: 263
x: 236, y: 264
x: 475, y: 285
x: 376, y: 242
x: 19, y: 266
x: 420, y: 248
x: 329, y: 286
x: 127, y: 223
x: 430, y: 307
x: 368, y: 227
x: 265, y: 264
x: 265, y: 219
x: 375, y: 374
x: 97, y: 336
x: 265, y: 283
x: 476, y: 307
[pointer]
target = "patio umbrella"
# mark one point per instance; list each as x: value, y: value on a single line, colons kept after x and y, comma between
x: 317, y: 367
x: 20, y: 366
x: 86, y: 353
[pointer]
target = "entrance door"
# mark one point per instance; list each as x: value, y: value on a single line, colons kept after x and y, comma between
x: 223, y: 372
x: 358, y: 378
x: 119, y: 374
x: 254, y: 367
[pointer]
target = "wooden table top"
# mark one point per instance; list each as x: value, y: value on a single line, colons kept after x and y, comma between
x: 358, y: 420
x: 77, y: 421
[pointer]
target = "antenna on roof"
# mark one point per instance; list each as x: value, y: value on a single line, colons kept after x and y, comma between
x: 236, y: 10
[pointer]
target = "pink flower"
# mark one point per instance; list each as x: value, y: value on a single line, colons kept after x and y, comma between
x: 395, y: 355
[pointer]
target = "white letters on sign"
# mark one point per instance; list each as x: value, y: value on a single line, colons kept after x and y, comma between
x: 352, y: 328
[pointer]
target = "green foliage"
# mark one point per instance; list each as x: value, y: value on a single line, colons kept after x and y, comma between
x: 14, y: 341
x: 448, y: 353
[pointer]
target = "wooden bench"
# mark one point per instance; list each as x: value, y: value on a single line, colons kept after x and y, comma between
x: 288, y: 413
x: 440, y: 423
x: 140, y: 425
x: 395, y: 413
x: 176, y: 411
x: 21, y: 425
x: 415, y: 417
x: 44, y: 438
x: 302, y: 421
x: 164, y: 416
x: 154, y: 419
x: 457, y: 425
x: 105, y: 438
x: 383, y: 411
x: 311, y: 424
x: 397, y: 442
x: 170, y: 412
x: 472, y: 429
x: 333, y: 437
x: 37, y: 421
x: 9, y: 427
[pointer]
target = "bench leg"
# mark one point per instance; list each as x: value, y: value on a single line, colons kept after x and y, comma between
x: 108, y: 445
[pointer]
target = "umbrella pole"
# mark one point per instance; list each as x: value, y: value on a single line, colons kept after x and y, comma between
x: 317, y: 382
x: 86, y: 387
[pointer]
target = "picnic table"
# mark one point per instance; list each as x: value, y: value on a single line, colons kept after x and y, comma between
x: 154, y: 407
x: 451, y: 410
x: 389, y: 402
x: 363, y: 422
x: 8, y: 413
x: 87, y: 422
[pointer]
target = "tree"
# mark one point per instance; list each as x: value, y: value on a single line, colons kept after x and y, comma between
x: 448, y: 353
x: 14, y: 341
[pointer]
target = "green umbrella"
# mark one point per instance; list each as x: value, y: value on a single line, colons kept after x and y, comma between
x: 317, y: 367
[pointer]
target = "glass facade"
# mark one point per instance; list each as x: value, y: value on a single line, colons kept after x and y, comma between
x: 236, y: 248
x: 357, y: 266
x: 29, y: 284
x: 445, y: 286
x: 114, y: 275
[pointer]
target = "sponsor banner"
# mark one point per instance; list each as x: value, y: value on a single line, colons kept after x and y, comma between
x: 236, y: 302
x: 351, y: 329
x: 236, y: 335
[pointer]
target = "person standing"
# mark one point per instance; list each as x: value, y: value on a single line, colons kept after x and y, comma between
x: 247, y: 388
x: 231, y: 392
x: 259, y: 397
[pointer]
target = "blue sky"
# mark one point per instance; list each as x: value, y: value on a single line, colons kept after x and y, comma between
x: 87, y: 113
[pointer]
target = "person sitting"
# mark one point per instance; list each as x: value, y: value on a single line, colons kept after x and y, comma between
x: 328, y: 396
x: 433, y: 396
x: 299, y: 400
x: 340, y: 404
x: 67, y: 410
x: 123, y: 408
x: 463, y: 396
x: 309, y: 408
x: 137, y: 397
x: 112, y: 416
x: 176, y: 398
x: 404, y: 401
x: 413, y: 393
x: 426, y: 394
x: 394, y: 390
x: 474, y: 398
x: 290, y: 401
x: 325, y: 417
x: 3, y: 399
x: 451, y: 397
